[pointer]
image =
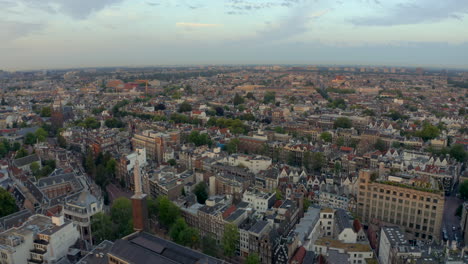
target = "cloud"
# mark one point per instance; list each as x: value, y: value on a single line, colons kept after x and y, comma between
x: 196, y: 25
x: 236, y: 7
x: 153, y: 3
x: 295, y: 24
x: 77, y: 9
x: 14, y: 29
x: 413, y: 12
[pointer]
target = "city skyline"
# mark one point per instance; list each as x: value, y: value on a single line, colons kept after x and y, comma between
x: 67, y: 34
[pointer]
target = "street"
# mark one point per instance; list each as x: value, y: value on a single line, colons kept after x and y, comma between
x: 450, y: 220
x: 115, y: 192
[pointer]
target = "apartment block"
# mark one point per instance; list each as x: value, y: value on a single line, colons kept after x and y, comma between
x: 415, y: 205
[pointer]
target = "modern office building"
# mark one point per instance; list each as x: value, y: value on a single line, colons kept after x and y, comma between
x: 415, y: 204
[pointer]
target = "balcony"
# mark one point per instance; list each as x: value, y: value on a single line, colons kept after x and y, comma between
x: 34, y: 261
x: 38, y: 251
x: 41, y: 242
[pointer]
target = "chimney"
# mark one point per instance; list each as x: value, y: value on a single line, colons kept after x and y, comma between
x: 140, y: 212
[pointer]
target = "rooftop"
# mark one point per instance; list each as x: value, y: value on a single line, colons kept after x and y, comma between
x: 349, y: 247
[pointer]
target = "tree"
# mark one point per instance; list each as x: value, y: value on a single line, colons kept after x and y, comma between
x: 35, y: 167
x: 121, y: 215
x: 61, y: 141
x: 182, y: 234
x: 278, y: 194
x: 208, y: 245
x: 167, y: 211
x: 30, y: 139
x: 178, y: 227
x: 7, y: 203
x: 340, y: 141
x: 152, y: 207
x: 380, y: 145
x: 230, y: 239
x: 317, y: 160
x: 458, y: 152
x: 428, y: 132
x: 41, y: 134
x: 338, y: 103
x: 172, y: 162
x: 368, y: 112
x: 114, y: 123
x: 199, y: 139
x: 201, y: 193
x: 252, y: 259
x: 219, y: 111
x: 250, y: 95
x: 238, y: 99
x: 280, y: 130
x: 463, y: 190
x: 91, y: 123
x: 269, y: 97
x: 307, y: 204
x: 189, y: 237
x: 232, y: 146
x: 185, y: 107
x: 46, y: 111
x: 343, y: 122
x: 21, y: 153
x: 326, y: 136
x: 16, y: 146
x: 337, y: 168
x: 160, y: 106
x: 102, y: 227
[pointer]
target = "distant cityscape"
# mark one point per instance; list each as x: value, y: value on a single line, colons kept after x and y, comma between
x: 255, y: 164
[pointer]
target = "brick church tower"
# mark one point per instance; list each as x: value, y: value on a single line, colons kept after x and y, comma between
x: 140, y: 212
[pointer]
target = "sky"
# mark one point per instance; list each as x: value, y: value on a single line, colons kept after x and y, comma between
x: 46, y: 34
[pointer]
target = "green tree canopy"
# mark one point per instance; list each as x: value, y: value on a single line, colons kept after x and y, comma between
x: 463, y: 190
x: 103, y: 227
x: 184, y: 235
x: 252, y: 259
x: 208, y: 245
x: 326, y: 136
x: 91, y: 123
x: 167, y: 211
x: 185, y: 107
x: 238, y: 99
x: 30, y: 139
x: 201, y: 192
x: 230, y: 239
x: 46, y: 111
x: 62, y: 141
x: 41, y: 134
x: 232, y: 146
x: 458, y: 152
x: 21, y: 153
x: 343, y: 122
x: 114, y: 123
x: 121, y: 215
x: 250, y: 95
x: 428, y: 132
x: 199, y: 139
x: 269, y: 97
x: 7, y: 203
x: 380, y: 145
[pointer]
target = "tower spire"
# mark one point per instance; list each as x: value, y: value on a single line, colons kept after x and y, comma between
x: 139, y: 207
x: 137, y: 179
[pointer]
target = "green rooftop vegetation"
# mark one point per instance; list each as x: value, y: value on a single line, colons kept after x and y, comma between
x: 417, y: 188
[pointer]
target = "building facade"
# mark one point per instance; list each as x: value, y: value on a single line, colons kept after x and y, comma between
x: 418, y: 210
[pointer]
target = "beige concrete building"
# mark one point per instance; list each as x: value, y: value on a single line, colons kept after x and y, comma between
x: 415, y: 208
